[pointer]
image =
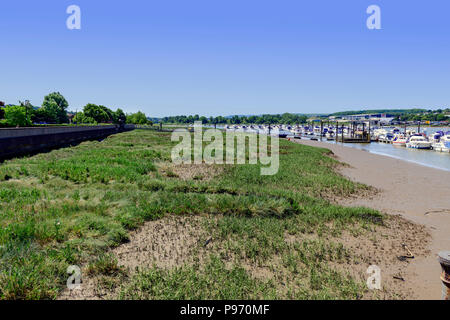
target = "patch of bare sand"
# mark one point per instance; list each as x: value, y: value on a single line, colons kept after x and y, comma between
x: 166, y: 243
x: 202, y: 171
x: 388, y: 247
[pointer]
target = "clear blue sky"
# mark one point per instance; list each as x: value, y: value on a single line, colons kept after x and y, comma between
x: 216, y: 57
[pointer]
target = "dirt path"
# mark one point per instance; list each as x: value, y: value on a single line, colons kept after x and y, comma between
x: 416, y: 192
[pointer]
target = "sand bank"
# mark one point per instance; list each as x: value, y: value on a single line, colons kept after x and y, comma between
x: 418, y: 193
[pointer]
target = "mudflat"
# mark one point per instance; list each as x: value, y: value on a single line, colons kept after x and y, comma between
x: 417, y: 193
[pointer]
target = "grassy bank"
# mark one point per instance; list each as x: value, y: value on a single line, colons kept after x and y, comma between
x: 71, y: 205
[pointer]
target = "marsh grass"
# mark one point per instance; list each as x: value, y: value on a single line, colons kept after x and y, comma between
x: 70, y: 205
x: 104, y: 264
x: 213, y: 280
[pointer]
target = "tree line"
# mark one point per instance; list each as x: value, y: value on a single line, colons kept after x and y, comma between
x: 437, y: 115
x: 54, y: 111
x: 286, y: 118
x: 290, y: 118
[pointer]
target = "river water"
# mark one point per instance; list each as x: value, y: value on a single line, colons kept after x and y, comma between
x: 427, y: 158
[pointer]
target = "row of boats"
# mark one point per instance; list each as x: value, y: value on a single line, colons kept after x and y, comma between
x: 438, y: 141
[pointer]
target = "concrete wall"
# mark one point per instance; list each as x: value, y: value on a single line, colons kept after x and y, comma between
x: 20, y: 141
x: 25, y: 132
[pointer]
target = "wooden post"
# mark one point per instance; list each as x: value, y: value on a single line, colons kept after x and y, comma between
x: 321, y: 130
x: 342, y: 133
x: 336, y: 131
x: 363, y: 129
x: 418, y: 130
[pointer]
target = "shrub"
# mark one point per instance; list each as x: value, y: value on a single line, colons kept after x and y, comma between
x: 16, y: 116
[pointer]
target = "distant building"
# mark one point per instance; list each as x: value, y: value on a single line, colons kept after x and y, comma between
x: 375, y: 118
x: 367, y: 116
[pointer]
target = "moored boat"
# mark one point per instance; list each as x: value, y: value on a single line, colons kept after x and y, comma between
x: 418, y: 142
x: 399, y: 140
x: 444, y: 143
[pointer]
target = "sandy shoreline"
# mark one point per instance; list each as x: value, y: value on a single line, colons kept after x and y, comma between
x: 418, y: 193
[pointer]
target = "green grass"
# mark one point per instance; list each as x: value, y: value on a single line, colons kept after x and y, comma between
x: 70, y: 205
x: 212, y: 280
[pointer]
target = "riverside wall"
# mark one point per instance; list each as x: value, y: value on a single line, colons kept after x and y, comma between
x: 22, y: 141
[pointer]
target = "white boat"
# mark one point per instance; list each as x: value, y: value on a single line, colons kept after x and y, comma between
x: 252, y: 129
x: 444, y: 143
x: 330, y: 135
x: 282, y: 133
x: 377, y: 133
x: 418, y: 142
x: 435, y: 137
x: 399, y: 140
x: 395, y: 131
x: 316, y: 131
x: 386, y: 138
x: 296, y: 132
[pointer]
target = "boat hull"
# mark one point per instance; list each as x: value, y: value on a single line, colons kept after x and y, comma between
x: 424, y: 147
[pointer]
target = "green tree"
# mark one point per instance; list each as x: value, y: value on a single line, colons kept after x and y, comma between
x: 96, y: 112
x: 42, y: 115
x: 79, y: 118
x: 56, y: 105
x: 119, y: 117
x: 109, y: 112
x: 137, y: 118
x: 16, y: 116
x: 235, y: 120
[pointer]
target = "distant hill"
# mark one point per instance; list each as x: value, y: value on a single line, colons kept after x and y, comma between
x: 389, y: 111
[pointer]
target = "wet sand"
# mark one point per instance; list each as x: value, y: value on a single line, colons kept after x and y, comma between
x: 418, y: 193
